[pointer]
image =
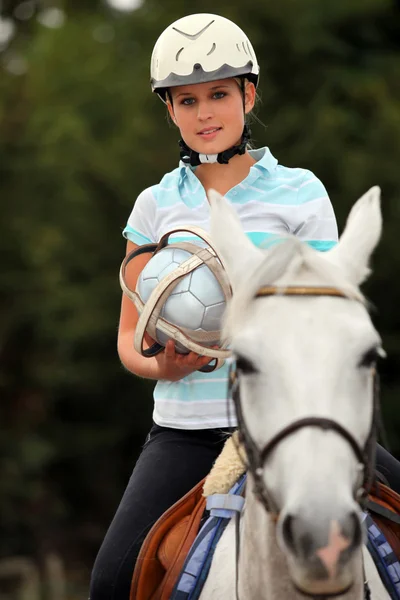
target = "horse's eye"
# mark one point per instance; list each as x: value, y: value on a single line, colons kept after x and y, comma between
x: 370, y: 358
x: 245, y: 366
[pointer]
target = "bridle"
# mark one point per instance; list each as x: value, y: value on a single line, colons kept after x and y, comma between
x: 257, y: 457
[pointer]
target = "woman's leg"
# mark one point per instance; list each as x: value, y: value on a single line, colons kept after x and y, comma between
x: 389, y: 467
x: 171, y: 463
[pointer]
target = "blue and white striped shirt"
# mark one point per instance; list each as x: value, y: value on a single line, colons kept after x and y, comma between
x: 272, y: 200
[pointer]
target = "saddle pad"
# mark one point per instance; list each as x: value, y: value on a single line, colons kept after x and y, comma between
x: 197, y: 564
x: 384, y: 558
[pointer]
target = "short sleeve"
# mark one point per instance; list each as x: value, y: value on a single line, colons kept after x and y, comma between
x: 140, y: 226
x: 316, y: 222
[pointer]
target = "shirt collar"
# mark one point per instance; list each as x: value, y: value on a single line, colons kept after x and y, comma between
x: 265, y: 159
x: 185, y: 170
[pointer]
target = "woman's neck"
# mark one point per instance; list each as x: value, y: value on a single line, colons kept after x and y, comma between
x: 224, y: 177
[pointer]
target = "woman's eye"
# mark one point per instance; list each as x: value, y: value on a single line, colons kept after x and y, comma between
x: 187, y: 101
x: 219, y: 95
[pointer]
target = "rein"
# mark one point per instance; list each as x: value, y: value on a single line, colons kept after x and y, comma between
x: 257, y: 457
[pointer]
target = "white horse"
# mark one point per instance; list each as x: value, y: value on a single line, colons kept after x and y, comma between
x: 307, y: 361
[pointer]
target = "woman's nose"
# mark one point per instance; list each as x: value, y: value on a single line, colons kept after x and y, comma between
x: 204, y: 111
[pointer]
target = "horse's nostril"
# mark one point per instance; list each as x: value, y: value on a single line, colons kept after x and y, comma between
x: 297, y: 536
x: 287, y: 532
x: 291, y: 537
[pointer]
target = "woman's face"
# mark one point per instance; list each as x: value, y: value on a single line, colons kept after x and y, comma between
x: 210, y: 116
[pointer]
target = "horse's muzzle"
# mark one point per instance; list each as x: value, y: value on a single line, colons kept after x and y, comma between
x: 320, y: 556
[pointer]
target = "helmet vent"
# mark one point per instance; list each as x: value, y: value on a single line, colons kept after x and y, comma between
x: 212, y: 49
x: 244, y: 47
x: 238, y: 47
x: 178, y: 53
x: 193, y: 36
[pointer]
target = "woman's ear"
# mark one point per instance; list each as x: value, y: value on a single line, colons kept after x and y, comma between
x: 171, y: 111
x: 249, y: 97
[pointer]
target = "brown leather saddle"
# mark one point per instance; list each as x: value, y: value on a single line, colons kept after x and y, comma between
x: 167, y: 544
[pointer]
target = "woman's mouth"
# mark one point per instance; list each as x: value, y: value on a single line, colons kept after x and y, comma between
x: 209, y: 133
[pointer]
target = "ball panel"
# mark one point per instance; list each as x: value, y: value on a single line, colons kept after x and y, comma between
x: 183, y: 285
x: 167, y: 270
x: 212, y: 319
x: 146, y: 286
x: 205, y: 287
x: 162, y: 338
x: 183, y: 310
x: 157, y: 263
x: 179, y: 255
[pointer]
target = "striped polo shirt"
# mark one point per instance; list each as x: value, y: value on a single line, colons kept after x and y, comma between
x: 272, y: 200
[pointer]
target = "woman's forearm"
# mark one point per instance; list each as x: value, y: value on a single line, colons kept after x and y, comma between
x: 149, y: 368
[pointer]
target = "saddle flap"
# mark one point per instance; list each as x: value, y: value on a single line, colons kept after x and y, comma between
x: 189, y: 535
x: 170, y: 544
x: 151, y: 579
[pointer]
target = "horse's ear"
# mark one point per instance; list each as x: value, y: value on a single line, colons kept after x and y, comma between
x: 238, y: 253
x: 360, y: 237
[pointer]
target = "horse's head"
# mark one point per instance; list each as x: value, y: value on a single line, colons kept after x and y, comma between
x: 305, y: 361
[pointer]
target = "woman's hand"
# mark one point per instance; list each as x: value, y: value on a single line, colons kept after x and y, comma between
x: 176, y: 366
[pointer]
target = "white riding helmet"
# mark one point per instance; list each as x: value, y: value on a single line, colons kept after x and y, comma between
x: 200, y: 48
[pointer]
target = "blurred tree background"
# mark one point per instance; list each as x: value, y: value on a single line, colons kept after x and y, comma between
x: 80, y: 136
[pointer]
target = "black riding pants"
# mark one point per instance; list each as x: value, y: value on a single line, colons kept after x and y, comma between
x: 171, y: 463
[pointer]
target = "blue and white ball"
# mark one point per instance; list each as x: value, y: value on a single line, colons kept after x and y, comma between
x: 197, y: 302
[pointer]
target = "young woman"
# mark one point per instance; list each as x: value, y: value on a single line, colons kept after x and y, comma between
x: 205, y: 70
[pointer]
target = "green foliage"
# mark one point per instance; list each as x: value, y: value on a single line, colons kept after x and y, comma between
x: 80, y: 136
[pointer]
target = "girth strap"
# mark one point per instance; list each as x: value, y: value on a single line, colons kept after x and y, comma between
x: 374, y: 507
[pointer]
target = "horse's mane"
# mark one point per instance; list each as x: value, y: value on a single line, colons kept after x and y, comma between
x: 289, y: 262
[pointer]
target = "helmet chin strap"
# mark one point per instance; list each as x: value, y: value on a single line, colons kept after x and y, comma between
x: 190, y: 157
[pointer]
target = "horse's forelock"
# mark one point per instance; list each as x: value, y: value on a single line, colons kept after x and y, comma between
x: 283, y: 266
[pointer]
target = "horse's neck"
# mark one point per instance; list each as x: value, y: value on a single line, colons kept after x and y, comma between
x: 263, y: 570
